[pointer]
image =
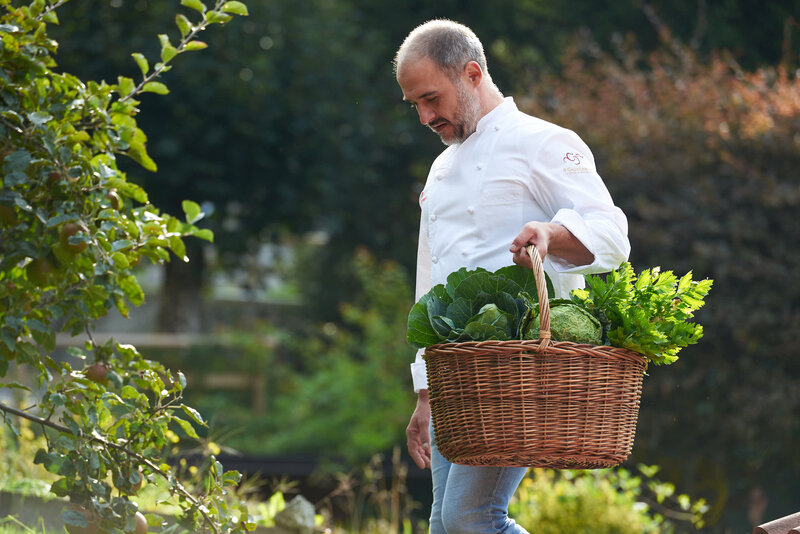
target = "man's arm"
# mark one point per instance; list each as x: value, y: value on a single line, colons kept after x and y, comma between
x: 418, y: 433
x: 549, y: 238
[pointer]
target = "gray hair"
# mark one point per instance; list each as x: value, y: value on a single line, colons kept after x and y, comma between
x: 448, y: 44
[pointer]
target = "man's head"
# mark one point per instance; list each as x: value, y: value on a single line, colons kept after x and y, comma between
x: 441, y: 68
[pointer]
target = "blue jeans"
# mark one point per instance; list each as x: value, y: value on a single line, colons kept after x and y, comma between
x: 472, y: 499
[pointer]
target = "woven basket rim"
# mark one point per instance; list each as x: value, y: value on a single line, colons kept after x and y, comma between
x: 514, y: 346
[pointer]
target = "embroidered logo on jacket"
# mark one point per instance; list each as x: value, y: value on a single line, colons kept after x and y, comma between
x: 573, y: 161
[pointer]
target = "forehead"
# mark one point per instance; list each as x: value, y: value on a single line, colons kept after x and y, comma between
x: 421, y: 76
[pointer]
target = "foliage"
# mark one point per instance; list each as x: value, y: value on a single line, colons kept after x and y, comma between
x: 648, y: 314
x: 702, y: 157
x: 608, y: 501
x: 17, y: 473
x: 473, y: 305
x: 349, y: 395
x: 312, y: 119
x: 73, y: 228
x: 372, y: 502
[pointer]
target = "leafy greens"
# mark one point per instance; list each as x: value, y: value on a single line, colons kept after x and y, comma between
x: 649, y: 314
x: 474, y: 305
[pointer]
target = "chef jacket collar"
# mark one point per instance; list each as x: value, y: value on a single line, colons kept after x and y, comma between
x: 495, y: 116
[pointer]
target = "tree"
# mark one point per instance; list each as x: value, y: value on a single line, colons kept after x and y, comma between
x: 313, y: 135
x: 701, y: 155
x: 72, y: 228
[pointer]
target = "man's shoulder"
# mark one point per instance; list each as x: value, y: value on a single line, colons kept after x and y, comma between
x: 524, y: 123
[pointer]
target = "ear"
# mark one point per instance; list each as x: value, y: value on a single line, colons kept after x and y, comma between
x: 473, y: 73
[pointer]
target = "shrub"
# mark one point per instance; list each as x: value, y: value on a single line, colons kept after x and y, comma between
x: 600, y: 502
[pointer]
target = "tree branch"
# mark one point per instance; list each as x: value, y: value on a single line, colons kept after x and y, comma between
x: 51, y: 7
x: 156, y: 469
x: 180, y: 48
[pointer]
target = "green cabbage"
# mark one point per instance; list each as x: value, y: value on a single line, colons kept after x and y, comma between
x: 568, y: 322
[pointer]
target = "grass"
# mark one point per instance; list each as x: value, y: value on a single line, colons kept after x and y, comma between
x: 11, y: 525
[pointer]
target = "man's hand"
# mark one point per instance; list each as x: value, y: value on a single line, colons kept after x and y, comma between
x: 533, y: 233
x: 552, y: 239
x: 417, y: 433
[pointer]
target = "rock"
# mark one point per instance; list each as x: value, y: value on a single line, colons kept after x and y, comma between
x: 298, y: 516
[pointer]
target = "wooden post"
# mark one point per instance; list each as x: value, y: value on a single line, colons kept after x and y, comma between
x: 785, y: 525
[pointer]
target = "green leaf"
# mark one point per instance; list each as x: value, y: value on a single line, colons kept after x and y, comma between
x: 138, y: 153
x: 141, y: 61
x: 197, y: 5
x: 61, y: 488
x: 128, y: 189
x: 50, y: 17
x: 489, y: 316
x: 167, y: 50
x: 478, y: 331
x: 192, y: 210
x: 15, y: 178
x: 121, y: 244
x: 129, y: 392
x: 131, y: 288
x: 177, y: 246
x: 205, y: 233
x: 125, y: 85
x: 456, y: 277
x: 420, y: 331
x: 184, y: 25
x: 39, y: 117
x: 17, y: 161
x: 9, y: 337
x: 525, y: 278
x: 120, y: 260
x: 187, y: 427
x: 45, y: 338
x: 195, y: 45
x: 235, y: 8
x: 52, y: 222
x: 194, y: 414
x: 460, y: 311
x: 155, y: 87
x: 215, y: 17
x: 75, y: 518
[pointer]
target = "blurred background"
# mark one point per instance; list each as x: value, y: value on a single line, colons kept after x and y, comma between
x: 290, y: 131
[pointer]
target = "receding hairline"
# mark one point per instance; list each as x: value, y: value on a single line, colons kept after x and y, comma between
x: 427, y: 40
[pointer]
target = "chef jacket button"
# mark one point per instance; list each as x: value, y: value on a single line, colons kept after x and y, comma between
x: 480, y: 166
x: 463, y: 252
x: 496, y: 128
x: 433, y: 217
x: 435, y: 259
x: 471, y: 210
x: 439, y: 176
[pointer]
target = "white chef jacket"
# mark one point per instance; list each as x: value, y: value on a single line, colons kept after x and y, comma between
x: 514, y: 169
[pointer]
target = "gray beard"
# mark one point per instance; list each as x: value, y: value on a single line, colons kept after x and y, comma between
x: 466, y: 120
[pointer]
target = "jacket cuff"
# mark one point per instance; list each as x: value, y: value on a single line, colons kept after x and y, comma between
x: 419, y: 377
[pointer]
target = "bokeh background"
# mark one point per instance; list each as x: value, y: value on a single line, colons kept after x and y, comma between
x: 289, y: 130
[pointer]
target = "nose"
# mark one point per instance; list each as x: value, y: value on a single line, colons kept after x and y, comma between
x: 426, y: 114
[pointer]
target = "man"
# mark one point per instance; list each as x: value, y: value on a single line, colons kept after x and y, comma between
x: 506, y: 180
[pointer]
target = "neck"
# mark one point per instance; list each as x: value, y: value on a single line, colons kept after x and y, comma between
x: 490, y: 99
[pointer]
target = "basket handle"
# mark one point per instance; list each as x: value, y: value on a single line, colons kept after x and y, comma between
x: 541, y: 289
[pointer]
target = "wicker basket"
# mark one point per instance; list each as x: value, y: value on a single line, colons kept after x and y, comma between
x: 535, y: 403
